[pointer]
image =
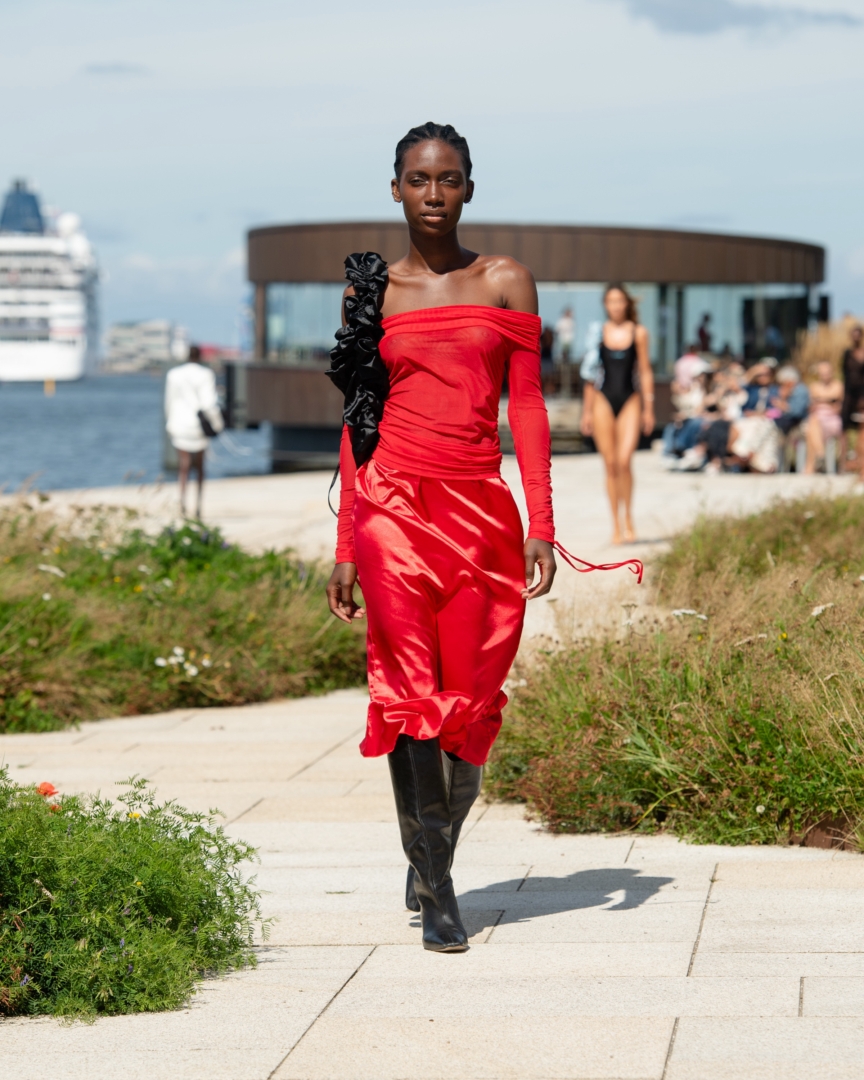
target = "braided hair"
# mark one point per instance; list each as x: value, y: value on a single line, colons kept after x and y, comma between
x: 427, y: 132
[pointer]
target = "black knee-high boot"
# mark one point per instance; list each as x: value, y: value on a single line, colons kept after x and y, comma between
x: 464, y: 782
x: 420, y: 787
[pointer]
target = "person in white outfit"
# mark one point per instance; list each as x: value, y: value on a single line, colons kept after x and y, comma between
x: 190, y: 390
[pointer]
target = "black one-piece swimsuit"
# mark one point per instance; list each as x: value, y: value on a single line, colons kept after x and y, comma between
x: 619, y: 365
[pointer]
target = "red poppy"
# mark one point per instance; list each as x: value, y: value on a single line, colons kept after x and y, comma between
x: 54, y: 807
x: 47, y: 789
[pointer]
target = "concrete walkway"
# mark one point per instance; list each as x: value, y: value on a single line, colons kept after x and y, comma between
x: 592, y: 957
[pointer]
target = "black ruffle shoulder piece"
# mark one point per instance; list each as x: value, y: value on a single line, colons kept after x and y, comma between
x: 356, y: 367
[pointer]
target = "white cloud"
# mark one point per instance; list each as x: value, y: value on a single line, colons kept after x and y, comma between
x: 713, y: 16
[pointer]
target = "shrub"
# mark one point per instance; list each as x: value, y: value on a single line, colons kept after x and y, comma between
x: 115, y: 908
x: 745, y: 726
x: 99, y: 619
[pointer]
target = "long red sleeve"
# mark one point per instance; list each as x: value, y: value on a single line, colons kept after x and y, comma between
x: 345, y: 523
x: 529, y: 423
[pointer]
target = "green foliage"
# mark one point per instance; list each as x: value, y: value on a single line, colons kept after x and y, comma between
x: 743, y: 727
x: 109, y: 908
x: 99, y: 619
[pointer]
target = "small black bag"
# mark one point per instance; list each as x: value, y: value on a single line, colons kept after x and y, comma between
x: 206, y: 426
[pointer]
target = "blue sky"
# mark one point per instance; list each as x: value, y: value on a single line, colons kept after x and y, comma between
x: 172, y: 127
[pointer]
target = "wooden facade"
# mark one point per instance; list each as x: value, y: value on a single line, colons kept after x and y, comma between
x: 559, y: 253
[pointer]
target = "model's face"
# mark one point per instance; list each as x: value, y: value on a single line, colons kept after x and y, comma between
x: 826, y: 372
x: 616, y: 305
x: 432, y: 188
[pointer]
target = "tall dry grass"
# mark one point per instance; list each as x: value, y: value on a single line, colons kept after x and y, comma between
x: 827, y: 342
x: 740, y: 723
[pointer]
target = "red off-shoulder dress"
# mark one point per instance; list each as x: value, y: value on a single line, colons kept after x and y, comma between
x: 434, y: 530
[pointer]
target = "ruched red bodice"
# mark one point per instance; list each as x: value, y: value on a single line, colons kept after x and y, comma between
x: 446, y: 367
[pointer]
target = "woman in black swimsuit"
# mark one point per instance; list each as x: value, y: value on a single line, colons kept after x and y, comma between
x: 619, y: 403
x: 852, y: 410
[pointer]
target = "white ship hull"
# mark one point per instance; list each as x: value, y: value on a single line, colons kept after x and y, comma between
x: 36, y: 361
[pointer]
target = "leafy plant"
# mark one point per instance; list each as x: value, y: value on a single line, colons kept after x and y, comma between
x: 115, y: 908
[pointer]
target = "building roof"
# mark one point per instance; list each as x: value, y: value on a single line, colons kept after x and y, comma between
x: 315, y: 253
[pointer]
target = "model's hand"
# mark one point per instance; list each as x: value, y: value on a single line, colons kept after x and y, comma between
x: 539, y: 555
x: 340, y: 592
x: 586, y: 424
x: 648, y: 422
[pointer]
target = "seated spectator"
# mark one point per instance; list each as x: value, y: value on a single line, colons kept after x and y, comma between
x: 759, y: 382
x: 754, y: 444
x: 688, y: 401
x: 687, y: 367
x: 824, y: 421
x: 789, y: 402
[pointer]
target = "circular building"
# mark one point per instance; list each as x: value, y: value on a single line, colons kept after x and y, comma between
x: 748, y: 295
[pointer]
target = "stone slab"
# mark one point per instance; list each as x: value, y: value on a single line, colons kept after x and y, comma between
x: 504, y: 1048
x: 775, y: 1048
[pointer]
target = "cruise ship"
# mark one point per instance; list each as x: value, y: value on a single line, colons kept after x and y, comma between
x: 48, y: 277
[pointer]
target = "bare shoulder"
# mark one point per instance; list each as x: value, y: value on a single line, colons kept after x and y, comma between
x: 511, y: 282
x: 640, y: 334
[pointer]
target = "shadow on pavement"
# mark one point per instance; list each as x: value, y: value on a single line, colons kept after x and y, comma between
x: 533, y: 897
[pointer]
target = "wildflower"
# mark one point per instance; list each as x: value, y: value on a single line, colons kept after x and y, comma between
x: 46, y: 596
x: 690, y: 611
x: 55, y: 570
x: 134, y: 814
x: 139, y: 883
x: 191, y: 670
x: 126, y: 910
x: 178, y: 651
x: 810, y: 514
x: 186, y: 541
x: 117, y: 579
x: 760, y: 809
x: 160, y: 661
x: 784, y: 636
x: 167, y: 582
x: 122, y: 942
x: 142, y: 569
x: 138, y: 588
x: 205, y: 660
x: 25, y: 980
x: 819, y: 609
x: 130, y: 968
x: 54, y: 807
x: 46, y: 790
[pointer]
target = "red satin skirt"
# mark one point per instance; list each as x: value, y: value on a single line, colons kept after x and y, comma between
x: 441, y: 567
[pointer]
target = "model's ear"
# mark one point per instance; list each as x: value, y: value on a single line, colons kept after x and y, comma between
x: 394, y: 188
x: 469, y: 191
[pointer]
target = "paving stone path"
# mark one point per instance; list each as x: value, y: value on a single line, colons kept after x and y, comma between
x: 592, y: 956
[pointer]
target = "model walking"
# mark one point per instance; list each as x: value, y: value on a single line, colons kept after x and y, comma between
x: 618, y: 401
x: 425, y: 520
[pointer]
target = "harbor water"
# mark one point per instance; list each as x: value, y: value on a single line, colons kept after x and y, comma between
x: 102, y: 431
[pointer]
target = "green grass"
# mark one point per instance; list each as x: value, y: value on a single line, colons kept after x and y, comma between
x: 99, y: 619
x: 744, y: 727
x: 115, y: 908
